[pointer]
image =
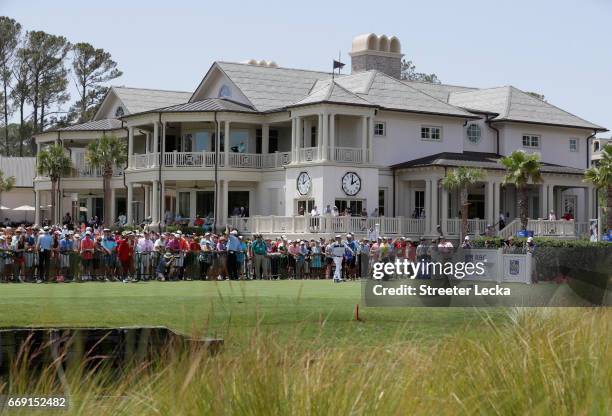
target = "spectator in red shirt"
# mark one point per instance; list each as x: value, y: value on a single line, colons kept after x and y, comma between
x: 125, y: 253
x: 87, y: 250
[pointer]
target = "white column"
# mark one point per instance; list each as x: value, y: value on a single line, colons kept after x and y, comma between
x: 307, y: 135
x: 551, y: 200
x: 225, y: 202
x: 129, y: 202
x: 489, y: 202
x: 155, y: 203
x: 371, y: 140
x: 299, y: 136
x: 496, y: 204
x: 162, y: 190
x: 293, y: 139
x: 589, y: 197
x: 434, y: 205
x: 37, y: 206
x: 130, y: 140
x: 444, y: 210
x: 325, y: 136
x: 427, y: 205
x: 112, y: 213
x: 320, y: 134
x: 332, y: 136
x: 192, y: 206
x: 226, y: 142
x: 147, y: 202
x: 364, y: 138
x: 265, y: 138
x: 156, y: 141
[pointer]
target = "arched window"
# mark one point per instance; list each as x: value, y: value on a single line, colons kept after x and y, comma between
x: 119, y: 112
x: 474, y: 133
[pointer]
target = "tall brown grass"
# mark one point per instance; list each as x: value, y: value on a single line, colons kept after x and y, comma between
x: 540, y: 362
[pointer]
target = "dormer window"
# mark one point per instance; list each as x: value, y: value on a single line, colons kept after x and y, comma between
x: 119, y: 112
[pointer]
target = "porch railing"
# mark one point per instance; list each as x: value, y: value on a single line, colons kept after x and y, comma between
x: 475, y: 226
x: 382, y: 226
x: 309, y: 154
x: 207, y: 160
x: 347, y: 155
x: 547, y: 228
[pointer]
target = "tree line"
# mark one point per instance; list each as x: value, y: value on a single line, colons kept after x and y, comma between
x: 35, y: 72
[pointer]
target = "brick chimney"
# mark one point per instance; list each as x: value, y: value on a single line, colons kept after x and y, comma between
x: 376, y: 52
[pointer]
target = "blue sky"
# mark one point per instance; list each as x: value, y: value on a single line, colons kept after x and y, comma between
x: 560, y: 48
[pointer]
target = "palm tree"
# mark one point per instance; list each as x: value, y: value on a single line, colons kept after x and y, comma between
x: 522, y: 168
x: 601, y: 177
x: 54, y: 163
x: 6, y: 183
x: 461, y: 179
x: 104, y: 154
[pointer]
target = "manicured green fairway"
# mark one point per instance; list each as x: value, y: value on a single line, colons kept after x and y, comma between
x: 312, y: 311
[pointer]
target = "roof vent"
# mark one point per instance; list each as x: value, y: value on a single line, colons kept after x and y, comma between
x: 263, y: 62
x: 383, y: 53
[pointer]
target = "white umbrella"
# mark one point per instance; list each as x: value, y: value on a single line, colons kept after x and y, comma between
x: 25, y: 208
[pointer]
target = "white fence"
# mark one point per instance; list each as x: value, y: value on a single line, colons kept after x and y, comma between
x: 394, y: 226
x: 546, y: 228
x: 207, y: 160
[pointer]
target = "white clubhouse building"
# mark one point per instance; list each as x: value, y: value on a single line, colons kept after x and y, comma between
x: 277, y: 140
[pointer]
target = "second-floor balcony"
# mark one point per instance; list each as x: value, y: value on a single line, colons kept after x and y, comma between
x: 207, y: 160
x: 274, y: 160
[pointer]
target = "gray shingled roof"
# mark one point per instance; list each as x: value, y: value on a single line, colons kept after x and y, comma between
x: 512, y: 104
x: 476, y: 160
x: 390, y: 93
x: 439, y: 91
x: 209, y: 104
x: 97, y: 125
x: 270, y: 88
x: 139, y: 100
x: 331, y: 92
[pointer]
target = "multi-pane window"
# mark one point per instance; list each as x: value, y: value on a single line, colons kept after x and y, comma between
x: 573, y: 145
x: 431, y: 133
x: 473, y: 133
x: 531, y: 140
x: 305, y: 205
x: 355, y: 206
x: 419, y: 204
x: 379, y: 129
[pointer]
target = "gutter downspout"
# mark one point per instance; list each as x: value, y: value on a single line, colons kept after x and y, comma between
x: 488, y: 122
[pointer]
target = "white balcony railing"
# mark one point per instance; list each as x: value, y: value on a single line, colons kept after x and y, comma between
x: 207, y: 160
x: 347, y: 155
x: 475, y: 226
x: 309, y: 154
x: 385, y: 226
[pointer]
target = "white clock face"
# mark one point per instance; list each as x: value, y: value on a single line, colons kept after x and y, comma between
x: 351, y: 183
x: 304, y: 183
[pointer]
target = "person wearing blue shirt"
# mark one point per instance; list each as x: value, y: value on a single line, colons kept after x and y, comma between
x: 109, y: 245
x: 44, y: 246
x: 66, y: 246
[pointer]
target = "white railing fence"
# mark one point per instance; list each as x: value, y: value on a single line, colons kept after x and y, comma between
x: 328, y: 224
x: 207, y: 160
